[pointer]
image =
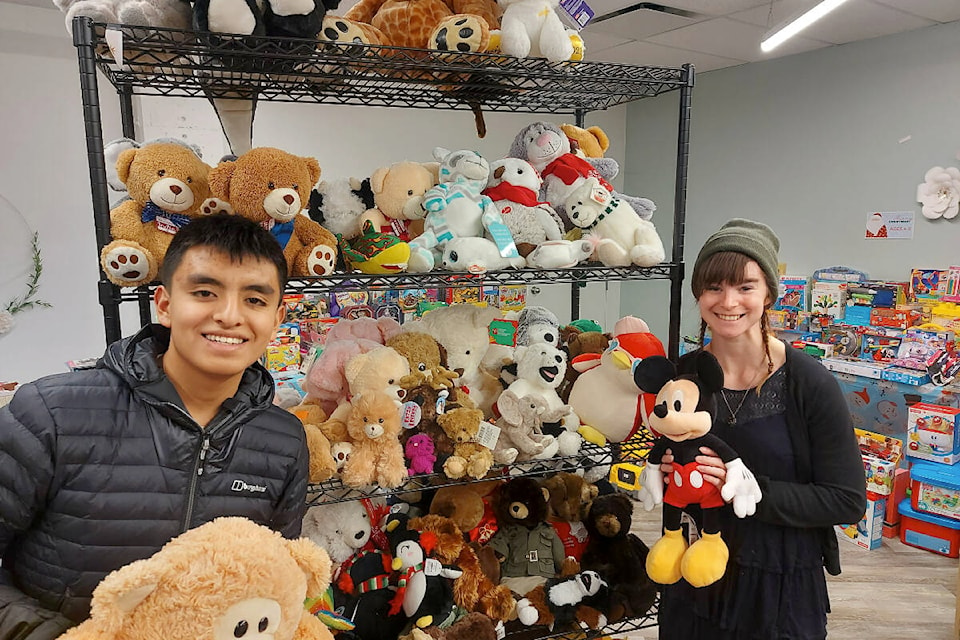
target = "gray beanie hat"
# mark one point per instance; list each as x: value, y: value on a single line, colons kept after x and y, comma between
x: 753, y: 239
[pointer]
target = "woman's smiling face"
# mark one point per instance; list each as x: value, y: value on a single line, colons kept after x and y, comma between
x: 732, y: 309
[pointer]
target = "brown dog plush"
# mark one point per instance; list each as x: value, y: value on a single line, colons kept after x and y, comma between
x: 271, y: 187
x: 167, y: 183
x: 206, y: 582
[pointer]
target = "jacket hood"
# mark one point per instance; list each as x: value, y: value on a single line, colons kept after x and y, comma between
x: 136, y: 359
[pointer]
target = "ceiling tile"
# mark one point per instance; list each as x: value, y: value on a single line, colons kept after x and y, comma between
x: 645, y: 53
x: 595, y: 42
x: 939, y: 10
x: 852, y: 21
x: 639, y: 24
x: 730, y: 39
x: 713, y: 7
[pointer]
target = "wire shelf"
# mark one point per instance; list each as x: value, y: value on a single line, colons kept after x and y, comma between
x: 589, y: 456
x: 441, y: 279
x: 168, y: 62
x: 613, y: 629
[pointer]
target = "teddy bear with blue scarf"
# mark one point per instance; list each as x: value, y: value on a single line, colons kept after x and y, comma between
x: 456, y: 208
x: 166, y: 184
x: 272, y: 188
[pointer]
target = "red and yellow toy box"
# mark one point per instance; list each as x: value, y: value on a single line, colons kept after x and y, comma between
x: 932, y: 433
x: 881, y: 456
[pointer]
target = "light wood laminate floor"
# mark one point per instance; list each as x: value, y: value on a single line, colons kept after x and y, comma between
x: 896, y: 592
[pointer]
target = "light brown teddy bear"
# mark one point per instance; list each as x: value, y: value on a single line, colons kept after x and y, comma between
x: 469, y: 458
x: 427, y: 360
x: 376, y: 456
x: 224, y: 577
x: 271, y: 187
x: 592, y: 142
x: 167, y: 182
x: 397, y: 195
x: 322, y: 465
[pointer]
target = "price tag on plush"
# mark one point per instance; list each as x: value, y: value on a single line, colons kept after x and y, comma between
x: 487, y: 435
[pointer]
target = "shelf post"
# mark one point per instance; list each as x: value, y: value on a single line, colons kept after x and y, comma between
x: 109, y: 294
x: 125, y: 92
x: 680, y: 211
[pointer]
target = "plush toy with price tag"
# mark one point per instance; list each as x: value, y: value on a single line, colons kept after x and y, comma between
x: 457, y: 209
x: 513, y: 186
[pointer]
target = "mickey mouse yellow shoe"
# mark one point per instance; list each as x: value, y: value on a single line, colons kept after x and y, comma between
x: 705, y: 560
x: 663, y: 561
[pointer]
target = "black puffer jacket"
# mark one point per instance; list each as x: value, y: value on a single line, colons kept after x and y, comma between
x: 100, y: 468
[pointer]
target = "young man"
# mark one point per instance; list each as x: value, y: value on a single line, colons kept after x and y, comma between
x: 174, y: 428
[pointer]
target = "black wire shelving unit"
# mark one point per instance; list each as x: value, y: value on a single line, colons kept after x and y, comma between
x: 166, y: 62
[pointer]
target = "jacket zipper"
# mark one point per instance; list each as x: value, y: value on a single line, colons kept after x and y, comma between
x: 194, y: 479
x: 199, y: 460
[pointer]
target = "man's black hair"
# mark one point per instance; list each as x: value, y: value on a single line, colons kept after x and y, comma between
x: 234, y: 236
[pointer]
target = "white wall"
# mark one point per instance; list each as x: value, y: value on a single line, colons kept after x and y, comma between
x: 809, y: 144
x: 44, y: 175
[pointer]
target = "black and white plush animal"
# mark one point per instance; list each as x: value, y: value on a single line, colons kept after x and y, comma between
x: 580, y: 598
x: 338, y: 204
x: 234, y: 97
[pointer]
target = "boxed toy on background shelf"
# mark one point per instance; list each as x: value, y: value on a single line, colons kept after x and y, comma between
x: 868, y: 533
x: 880, y: 345
x: 904, y: 375
x: 513, y: 297
x: 881, y: 455
x: 919, y: 346
x: 928, y: 531
x: 928, y: 284
x: 933, y: 433
x: 793, y: 296
x: 935, y: 488
x: 854, y: 367
x: 283, y: 352
x: 829, y: 297
x: 845, y: 339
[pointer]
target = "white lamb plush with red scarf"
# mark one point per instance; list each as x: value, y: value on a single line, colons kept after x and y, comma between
x: 513, y: 186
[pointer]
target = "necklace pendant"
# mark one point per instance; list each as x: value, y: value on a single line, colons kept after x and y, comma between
x: 731, y: 420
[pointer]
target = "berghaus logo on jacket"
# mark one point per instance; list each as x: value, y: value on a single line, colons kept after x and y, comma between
x: 240, y: 485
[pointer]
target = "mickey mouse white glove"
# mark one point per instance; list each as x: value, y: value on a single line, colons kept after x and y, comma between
x: 651, y: 486
x: 741, y: 487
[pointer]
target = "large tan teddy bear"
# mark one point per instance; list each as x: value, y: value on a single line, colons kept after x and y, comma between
x: 398, y: 196
x: 167, y: 182
x: 217, y: 581
x: 271, y: 187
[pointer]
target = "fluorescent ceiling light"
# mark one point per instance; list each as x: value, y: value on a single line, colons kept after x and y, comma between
x: 797, y: 23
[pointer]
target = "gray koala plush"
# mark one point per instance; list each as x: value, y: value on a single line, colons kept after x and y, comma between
x: 547, y: 148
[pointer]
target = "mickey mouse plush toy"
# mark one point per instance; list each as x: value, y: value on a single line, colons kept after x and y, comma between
x: 683, y: 415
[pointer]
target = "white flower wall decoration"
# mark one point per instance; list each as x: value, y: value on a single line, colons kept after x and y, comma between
x: 940, y: 193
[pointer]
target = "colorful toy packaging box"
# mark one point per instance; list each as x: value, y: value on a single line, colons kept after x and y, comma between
x: 933, y: 434
x: 935, y: 488
x: 794, y: 293
x: 881, y: 456
x: 868, y: 533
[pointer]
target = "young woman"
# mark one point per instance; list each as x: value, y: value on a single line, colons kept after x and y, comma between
x: 786, y: 417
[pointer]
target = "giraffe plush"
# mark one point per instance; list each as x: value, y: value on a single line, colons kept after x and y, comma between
x: 446, y: 25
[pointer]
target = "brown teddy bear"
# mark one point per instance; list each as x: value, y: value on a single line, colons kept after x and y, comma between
x: 167, y: 182
x: 577, y: 343
x: 592, y: 142
x: 569, y: 498
x: 427, y: 360
x: 469, y: 458
x: 397, y: 195
x: 190, y: 588
x: 376, y: 455
x: 271, y: 187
